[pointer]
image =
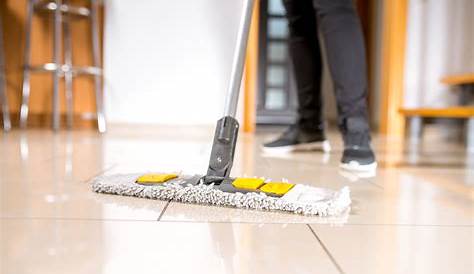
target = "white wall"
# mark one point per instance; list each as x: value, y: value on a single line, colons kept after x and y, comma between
x: 440, y: 41
x: 168, y: 62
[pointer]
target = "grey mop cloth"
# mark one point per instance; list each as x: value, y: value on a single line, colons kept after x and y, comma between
x: 301, y: 199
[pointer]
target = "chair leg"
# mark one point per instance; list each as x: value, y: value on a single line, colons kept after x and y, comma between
x: 57, y: 37
x: 101, y: 124
x: 68, y: 77
x: 470, y: 135
x: 25, y: 98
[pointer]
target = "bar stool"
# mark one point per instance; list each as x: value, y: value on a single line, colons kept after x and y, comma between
x: 3, y: 94
x: 62, y: 13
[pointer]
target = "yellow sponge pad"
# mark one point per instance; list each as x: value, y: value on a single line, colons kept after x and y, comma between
x: 156, y: 178
x: 278, y: 188
x: 248, y: 183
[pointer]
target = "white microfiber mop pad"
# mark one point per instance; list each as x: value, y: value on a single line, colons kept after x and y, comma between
x: 301, y: 199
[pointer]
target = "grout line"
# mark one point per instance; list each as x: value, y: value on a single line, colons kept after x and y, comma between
x: 374, y: 183
x: 163, y: 211
x: 326, y: 250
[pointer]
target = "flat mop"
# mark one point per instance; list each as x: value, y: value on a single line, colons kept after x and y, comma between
x: 217, y: 187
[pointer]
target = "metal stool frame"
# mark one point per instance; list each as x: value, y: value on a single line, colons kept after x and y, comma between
x: 62, y: 14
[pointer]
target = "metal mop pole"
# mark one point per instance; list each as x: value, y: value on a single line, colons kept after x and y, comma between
x: 239, y: 60
x: 225, y: 137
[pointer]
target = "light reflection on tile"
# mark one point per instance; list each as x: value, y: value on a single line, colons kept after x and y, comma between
x: 50, y: 180
x: 151, y: 247
x: 203, y: 213
x: 71, y: 200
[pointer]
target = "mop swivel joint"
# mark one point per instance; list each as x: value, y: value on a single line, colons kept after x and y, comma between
x: 223, y: 147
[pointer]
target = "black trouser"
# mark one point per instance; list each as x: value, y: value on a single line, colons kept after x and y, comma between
x: 344, y: 44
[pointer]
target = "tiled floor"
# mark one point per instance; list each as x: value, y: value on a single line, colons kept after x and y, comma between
x: 415, y: 216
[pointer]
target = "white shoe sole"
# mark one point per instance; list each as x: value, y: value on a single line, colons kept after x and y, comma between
x: 314, y: 146
x: 355, y: 166
x: 355, y: 176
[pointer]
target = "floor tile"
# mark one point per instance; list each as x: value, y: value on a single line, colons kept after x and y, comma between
x: 67, y: 246
x: 50, y: 192
x: 414, y: 215
x: 414, y: 198
x: 399, y: 249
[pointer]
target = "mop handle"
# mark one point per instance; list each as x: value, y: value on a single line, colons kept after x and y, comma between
x: 238, y: 61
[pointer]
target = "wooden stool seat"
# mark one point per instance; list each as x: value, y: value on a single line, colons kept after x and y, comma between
x: 464, y: 111
x: 448, y: 112
x: 460, y: 79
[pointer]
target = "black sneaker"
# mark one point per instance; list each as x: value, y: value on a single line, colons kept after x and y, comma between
x: 357, y: 155
x: 295, y: 138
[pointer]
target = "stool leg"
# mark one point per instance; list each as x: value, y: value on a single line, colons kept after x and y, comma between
x: 3, y: 95
x: 416, y: 128
x: 25, y: 93
x: 6, y: 115
x: 3, y: 98
x: 68, y: 77
x: 56, y: 59
x: 98, y: 78
x: 470, y: 135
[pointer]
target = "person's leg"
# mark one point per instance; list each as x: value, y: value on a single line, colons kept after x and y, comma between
x: 306, y: 60
x: 342, y: 34
x: 308, y: 133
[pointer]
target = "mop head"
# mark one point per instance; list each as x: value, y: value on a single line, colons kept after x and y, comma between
x: 286, y: 197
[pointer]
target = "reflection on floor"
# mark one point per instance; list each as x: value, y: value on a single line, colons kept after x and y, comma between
x: 414, y: 216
